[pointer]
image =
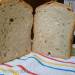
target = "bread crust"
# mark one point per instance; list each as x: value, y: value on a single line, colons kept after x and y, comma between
x: 22, y: 2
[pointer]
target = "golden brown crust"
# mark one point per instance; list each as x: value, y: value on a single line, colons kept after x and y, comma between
x: 22, y: 2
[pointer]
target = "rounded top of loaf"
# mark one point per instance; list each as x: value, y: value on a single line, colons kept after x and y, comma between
x: 54, y: 5
x: 21, y: 2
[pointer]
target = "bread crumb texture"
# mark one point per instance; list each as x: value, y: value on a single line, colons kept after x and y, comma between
x: 53, y: 28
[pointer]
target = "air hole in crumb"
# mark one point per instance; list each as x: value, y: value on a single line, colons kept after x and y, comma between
x: 15, y: 17
x: 45, y: 41
x: 8, y: 49
x: 5, y: 54
x: 4, y: 36
x: 3, y: 10
x: 2, y: 31
x: 11, y: 5
x: 0, y: 4
x: 11, y: 19
x: 9, y: 23
x: 49, y: 53
x: 26, y: 50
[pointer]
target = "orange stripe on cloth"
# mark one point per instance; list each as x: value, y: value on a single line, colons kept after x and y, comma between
x: 55, y: 59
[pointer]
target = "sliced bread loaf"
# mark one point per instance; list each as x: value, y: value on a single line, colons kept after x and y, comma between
x: 15, y: 29
x: 53, y: 29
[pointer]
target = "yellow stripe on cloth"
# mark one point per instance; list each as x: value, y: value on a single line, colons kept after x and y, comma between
x: 64, y: 65
x: 9, y: 70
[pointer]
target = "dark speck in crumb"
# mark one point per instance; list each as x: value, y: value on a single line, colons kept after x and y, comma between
x: 45, y: 41
x: 5, y: 54
x: 4, y: 36
x: 11, y: 20
x: 49, y: 53
x: 11, y: 5
x: 26, y: 50
x: 9, y: 23
x: 15, y: 17
x: 2, y: 31
x: 0, y: 4
x: 3, y: 10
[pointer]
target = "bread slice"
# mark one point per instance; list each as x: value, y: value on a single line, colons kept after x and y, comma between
x: 53, y: 29
x: 15, y: 29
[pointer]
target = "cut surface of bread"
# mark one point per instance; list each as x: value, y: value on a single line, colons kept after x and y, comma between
x: 53, y: 30
x: 15, y: 29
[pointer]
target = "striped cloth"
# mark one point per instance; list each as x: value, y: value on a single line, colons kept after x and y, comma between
x: 36, y: 64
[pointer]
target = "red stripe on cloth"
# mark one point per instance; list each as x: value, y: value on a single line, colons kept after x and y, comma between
x: 55, y: 59
x: 23, y: 68
x: 7, y: 65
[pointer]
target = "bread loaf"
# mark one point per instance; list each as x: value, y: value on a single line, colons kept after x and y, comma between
x: 15, y: 29
x: 53, y: 29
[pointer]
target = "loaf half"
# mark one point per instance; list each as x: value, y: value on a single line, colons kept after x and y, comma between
x: 15, y: 29
x: 53, y: 29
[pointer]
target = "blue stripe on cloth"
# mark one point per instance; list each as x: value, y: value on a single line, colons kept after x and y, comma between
x: 49, y: 66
